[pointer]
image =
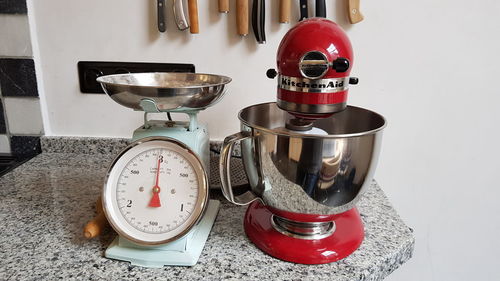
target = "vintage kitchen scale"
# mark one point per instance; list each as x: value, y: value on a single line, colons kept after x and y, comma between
x: 156, y: 193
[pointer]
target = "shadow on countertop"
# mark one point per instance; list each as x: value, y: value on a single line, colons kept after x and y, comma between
x: 9, y: 162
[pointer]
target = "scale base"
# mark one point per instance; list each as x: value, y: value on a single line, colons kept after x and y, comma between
x: 183, y: 252
x: 346, y: 239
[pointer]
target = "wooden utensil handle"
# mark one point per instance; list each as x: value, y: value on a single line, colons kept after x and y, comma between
x: 354, y: 12
x: 242, y: 16
x: 285, y: 6
x: 223, y: 6
x: 97, y: 225
x: 193, y: 16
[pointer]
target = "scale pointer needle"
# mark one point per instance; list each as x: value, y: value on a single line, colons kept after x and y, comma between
x: 155, y: 200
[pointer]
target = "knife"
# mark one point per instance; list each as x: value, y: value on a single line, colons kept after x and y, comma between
x: 223, y: 6
x: 242, y: 16
x: 303, y: 10
x: 193, y: 16
x: 258, y: 20
x: 285, y: 11
x: 320, y: 8
x: 180, y: 16
x: 355, y: 15
x: 160, y: 6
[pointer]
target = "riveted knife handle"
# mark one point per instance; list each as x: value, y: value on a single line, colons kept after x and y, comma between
x: 180, y: 16
x: 160, y: 7
x: 285, y: 11
x: 354, y: 13
x: 320, y: 8
x: 242, y: 16
x: 223, y: 6
x: 193, y: 16
x: 258, y: 20
x: 303, y: 10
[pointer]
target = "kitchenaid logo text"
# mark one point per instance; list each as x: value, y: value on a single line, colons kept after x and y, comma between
x: 329, y: 85
x: 312, y: 85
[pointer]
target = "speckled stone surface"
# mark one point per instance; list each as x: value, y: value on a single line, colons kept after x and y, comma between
x: 93, y: 145
x: 113, y: 146
x: 45, y: 202
x: 83, y: 145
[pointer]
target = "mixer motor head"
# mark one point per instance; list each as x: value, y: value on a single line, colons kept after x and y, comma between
x: 314, y: 61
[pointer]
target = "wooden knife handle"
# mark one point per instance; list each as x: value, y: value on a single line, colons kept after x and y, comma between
x: 223, y: 6
x: 194, y: 26
x: 97, y: 225
x: 354, y: 12
x: 242, y: 16
x: 285, y: 6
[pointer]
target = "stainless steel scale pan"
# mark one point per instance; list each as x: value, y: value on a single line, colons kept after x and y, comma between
x: 169, y: 91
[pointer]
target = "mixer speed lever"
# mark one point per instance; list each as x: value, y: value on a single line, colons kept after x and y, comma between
x: 271, y: 73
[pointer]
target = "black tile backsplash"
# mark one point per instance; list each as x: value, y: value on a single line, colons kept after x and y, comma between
x: 17, y: 78
x: 3, y: 128
x: 13, y: 7
x: 23, y: 146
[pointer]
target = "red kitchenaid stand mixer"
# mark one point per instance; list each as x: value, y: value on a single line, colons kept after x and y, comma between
x: 309, y: 156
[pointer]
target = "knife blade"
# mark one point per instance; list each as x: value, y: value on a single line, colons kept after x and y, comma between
x: 303, y: 10
x: 258, y: 20
x: 160, y: 7
x: 180, y: 16
x: 285, y: 11
x: 354, y: 13
x: 242, y: 16
x: 320, y: 8
x: 193, y: 16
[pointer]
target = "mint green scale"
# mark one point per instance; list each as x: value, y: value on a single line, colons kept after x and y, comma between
x: 186, y: 250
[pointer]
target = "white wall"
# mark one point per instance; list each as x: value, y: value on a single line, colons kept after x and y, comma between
x: 430, y: 67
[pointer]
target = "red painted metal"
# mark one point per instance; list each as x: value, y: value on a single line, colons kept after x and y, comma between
x: 314, y: 34
x: 312, y: 98
x: 347, y: 237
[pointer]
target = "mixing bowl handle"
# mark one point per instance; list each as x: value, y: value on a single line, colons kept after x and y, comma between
x: 224, y: 170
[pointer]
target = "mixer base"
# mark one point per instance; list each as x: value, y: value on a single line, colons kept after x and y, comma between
x: 346, y: 239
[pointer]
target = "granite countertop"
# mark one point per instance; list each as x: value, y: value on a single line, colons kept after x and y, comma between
x: 45, y: 202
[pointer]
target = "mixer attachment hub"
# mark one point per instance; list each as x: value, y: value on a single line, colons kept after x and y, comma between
x: 299, y: 124
x: 303, y: 230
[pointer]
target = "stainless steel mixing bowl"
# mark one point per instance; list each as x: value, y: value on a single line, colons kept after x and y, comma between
x: 322, y: 173
x: 169, y: 91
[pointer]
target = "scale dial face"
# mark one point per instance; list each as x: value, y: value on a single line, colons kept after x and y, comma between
x: 156, y: 190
